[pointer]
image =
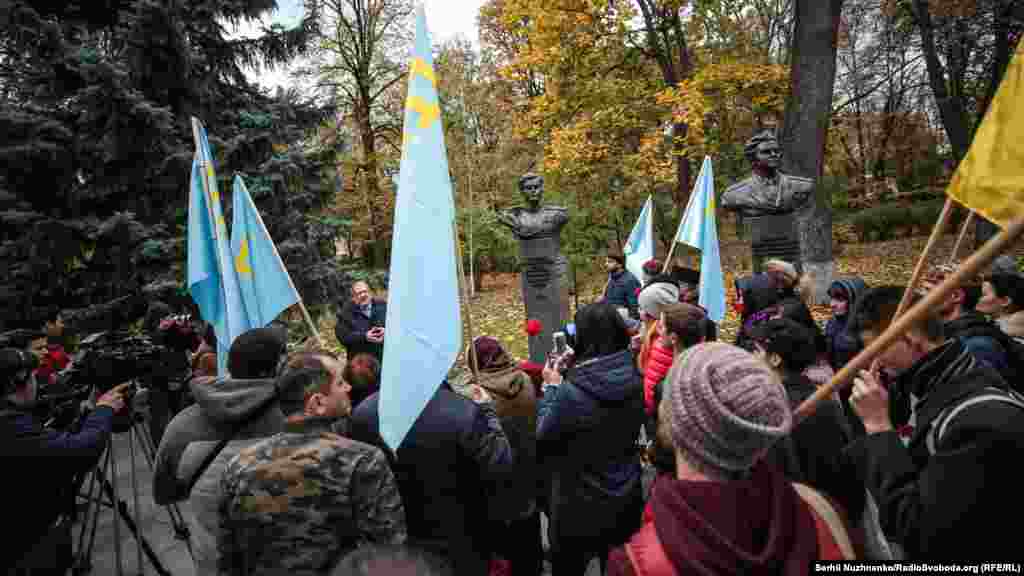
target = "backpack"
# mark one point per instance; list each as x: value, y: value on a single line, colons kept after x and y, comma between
x: 941, y: 422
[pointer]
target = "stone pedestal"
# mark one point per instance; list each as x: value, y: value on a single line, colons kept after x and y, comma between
x: 544, y: 276
x: 774, y: 237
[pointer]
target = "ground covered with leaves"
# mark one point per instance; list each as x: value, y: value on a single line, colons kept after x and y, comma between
x: 498, y: 309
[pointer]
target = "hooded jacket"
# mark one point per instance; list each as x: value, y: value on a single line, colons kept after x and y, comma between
x: 940, y: 506
x: 222, y: 406
x: 586, y: 435
x: 755, y: 526
x: 843, y: 346
x: 981, y: 337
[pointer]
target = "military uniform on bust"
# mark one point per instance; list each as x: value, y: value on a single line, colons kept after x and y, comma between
x: 768, y: 201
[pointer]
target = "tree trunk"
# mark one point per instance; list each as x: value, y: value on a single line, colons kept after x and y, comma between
x: 805, y: 129
x: 370, y: 184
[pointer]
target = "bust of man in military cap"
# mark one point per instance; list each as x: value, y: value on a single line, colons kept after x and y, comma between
x: 534, y: 220
x: 768, y: 191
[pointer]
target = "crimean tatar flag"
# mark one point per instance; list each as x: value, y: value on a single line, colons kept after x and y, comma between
x: 423, y: 327
x: 639, y: 248
x: 267, y: 288
x: 212, y: 282
x: 698, y: 229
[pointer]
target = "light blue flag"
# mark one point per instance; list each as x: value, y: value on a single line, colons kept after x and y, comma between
x: 698, y: 229
x: 640, y: 245
x: 423, y: 325
x: 267, y: 289
x: 211, y: 278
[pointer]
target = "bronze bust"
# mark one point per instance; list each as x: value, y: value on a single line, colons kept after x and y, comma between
x: 533, y: 220
x: 768, y: 191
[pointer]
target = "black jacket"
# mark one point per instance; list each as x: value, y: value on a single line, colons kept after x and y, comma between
x: 621, y: 291
x: 449, y: 469
x: 946, y: 506
x: 813, y: 453
x: 587, y: 429
x: 353, y: 325
x: 40, y: 468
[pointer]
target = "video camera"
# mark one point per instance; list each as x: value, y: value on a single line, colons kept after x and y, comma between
x: 104, y: 360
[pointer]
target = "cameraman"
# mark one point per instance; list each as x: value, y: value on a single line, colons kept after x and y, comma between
x: 42, y: 465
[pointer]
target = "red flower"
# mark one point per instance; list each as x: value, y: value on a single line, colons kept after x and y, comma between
x: 533, y: 327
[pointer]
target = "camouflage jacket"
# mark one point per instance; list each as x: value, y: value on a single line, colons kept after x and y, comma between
x: 296, y: 502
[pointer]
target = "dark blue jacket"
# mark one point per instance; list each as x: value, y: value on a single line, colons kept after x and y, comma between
x: 621, y: 291
x: 587, y: 428
x: 353, y: 325
x: 40, y: 467
x: 843, y: 346
x: 449, y: 469
x: 980, y: 336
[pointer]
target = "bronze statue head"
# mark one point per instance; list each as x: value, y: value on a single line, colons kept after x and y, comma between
x: 531, y: 186
x: 763, y: 152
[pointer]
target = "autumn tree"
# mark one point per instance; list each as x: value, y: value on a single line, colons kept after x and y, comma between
x: 967, y: 45
x: 880, y: 130
x: 359, y: 52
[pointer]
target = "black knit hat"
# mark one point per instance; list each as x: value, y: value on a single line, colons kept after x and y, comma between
x: 256, y: 353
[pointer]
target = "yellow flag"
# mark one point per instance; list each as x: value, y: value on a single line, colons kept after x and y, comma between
x: 990, y: 179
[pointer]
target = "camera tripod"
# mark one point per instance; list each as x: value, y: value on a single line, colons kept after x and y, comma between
x: 103, y: 493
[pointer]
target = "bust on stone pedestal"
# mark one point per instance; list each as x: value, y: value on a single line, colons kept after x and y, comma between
x: 769, y: 200
x: 545, y: 282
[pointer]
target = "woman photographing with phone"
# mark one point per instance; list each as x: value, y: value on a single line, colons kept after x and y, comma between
x: 587, y: 424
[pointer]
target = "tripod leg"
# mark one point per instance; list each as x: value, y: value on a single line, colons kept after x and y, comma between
x: 93, y: 504
x: 113, y: 498
x: 135, y: 503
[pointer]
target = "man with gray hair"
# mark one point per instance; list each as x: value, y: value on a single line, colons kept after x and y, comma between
x: 360, y: 325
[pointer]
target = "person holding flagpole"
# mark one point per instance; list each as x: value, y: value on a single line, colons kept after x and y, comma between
x: 449, y: 454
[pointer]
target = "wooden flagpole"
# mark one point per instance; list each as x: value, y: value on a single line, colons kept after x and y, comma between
x: 960, y: 239
x: 968, y: 269
x: 947, y: 211
x: 466, y: 307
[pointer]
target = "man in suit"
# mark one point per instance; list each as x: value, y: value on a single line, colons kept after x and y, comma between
x: 360, y: 326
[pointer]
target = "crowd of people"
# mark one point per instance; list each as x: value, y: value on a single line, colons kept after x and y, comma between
x: 648, y: 444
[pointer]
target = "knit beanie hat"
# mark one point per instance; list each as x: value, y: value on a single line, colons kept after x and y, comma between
x: 655, y: 297
x: 727, y: 407
x: 490, y: 355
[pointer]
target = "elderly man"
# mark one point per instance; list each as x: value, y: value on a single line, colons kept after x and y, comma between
x: 360, y: 326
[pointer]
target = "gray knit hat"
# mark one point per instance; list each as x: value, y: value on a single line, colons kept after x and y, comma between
x: 656, y: 297
x: 727, y: 407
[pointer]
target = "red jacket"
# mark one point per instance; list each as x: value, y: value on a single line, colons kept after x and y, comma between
x: 656, y: 365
